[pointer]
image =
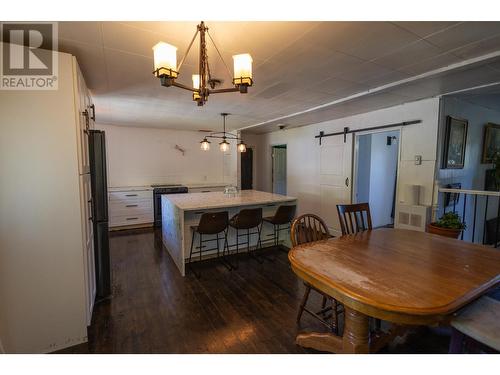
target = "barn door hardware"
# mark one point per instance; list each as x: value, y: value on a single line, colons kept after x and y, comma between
x: 346, y: 130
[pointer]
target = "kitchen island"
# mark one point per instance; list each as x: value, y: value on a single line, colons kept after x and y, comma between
x: 181, y: 211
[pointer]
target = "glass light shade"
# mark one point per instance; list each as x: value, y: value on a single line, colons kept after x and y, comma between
x: 205, y: 144
x: 224, y: 146
x: 196, y: 81
x: 242, y: 69
x: 165, y: 58
x: 242, y: 147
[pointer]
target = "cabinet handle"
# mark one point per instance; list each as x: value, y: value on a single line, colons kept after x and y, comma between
x: 93, y: 112
x: 199, y: 213
x: 270, y: 205
x: 347, y: 181
x: 205, y: 191
x: 132, y: 218
x: 131, y: 195
x: 131, y: 205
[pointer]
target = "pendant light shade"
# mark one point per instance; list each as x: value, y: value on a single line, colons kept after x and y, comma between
x: 196, y: 81
x: 205, y: 144
x: 242, y: 147
x: 242, y: 69
x: 224, y: 145
x: 165, y: 59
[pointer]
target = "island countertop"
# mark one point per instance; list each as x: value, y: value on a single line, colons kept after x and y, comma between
x: 217, y: 199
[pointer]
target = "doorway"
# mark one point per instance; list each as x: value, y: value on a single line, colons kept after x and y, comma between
x: 247, y: 169
x: 279, y: 169
x: 376, y: 172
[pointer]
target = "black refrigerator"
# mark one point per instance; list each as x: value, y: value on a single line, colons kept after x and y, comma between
x: 99, y: 184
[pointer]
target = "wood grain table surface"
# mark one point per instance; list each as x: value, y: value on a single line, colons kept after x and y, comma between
x: 401, y: 276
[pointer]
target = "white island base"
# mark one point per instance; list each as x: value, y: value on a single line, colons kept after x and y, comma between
x: 181, y: 211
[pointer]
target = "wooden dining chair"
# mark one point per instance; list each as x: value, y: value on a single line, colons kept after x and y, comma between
x: 305, y: 229
x: 354, y: 218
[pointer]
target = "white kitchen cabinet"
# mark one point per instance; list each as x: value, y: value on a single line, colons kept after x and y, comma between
x: 130, y: 207
x: 48, y: 300
x: 84, y: 114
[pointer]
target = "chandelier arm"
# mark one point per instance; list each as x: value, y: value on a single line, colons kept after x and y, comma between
x: 188, y: 49
x: 182, y: 86
x: 218, y: 91
x: 220, y: 55
x: 223, y: 137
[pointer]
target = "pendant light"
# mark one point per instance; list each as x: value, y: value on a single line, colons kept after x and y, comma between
x: 224, y: 145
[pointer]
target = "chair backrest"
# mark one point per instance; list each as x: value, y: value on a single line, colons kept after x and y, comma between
x: 352, y: 217
x: 284, y: 214
x: 213, y: 222
x: 249, y: 218
x: 308, y: 228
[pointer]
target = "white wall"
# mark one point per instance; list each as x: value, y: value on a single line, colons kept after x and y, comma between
x: 42, y: 291
x: 142, y: 156
x: 303, y: 151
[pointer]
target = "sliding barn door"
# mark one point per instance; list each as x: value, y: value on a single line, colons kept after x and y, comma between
x: 335, y: 178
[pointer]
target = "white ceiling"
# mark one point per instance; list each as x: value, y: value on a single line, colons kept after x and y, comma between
x: 297, y: 66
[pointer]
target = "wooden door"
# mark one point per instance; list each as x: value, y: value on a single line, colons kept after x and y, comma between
x: 335, y: 178
x: 247, y: 169
x: 279, y: 169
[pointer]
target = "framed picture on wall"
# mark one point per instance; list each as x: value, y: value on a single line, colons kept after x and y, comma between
x: 455, y: 139
x: 491, y: 142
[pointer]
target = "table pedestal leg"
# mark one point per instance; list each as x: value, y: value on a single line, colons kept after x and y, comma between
x: 356, y: 332
x: 355, y: 339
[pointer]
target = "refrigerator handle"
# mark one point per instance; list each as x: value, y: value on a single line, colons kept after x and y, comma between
x: 89, y: 202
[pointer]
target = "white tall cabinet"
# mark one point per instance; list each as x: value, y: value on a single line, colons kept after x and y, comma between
x: 47, y: 281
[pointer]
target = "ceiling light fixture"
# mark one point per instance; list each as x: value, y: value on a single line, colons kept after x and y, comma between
x: 166, y: 69
x: 224, y: 144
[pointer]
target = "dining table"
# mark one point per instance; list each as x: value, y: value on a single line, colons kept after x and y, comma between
x: 400, y: 276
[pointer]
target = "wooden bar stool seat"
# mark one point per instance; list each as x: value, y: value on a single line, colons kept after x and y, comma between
x: 210, y: 224
x: 245, y: 221
x: 480, y: 321
x: 283, y: 217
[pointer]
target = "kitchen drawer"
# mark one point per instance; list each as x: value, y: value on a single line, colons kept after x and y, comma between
x: 131, y: 207
x: 118, y: 221
x: 130, y: 195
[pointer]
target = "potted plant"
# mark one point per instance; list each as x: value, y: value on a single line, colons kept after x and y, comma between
x: 449, y: 225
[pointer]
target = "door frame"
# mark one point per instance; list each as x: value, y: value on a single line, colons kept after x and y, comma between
x: 354, y: 184
x: 272, y: 164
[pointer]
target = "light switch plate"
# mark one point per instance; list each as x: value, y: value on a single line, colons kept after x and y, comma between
x: 418, y: 159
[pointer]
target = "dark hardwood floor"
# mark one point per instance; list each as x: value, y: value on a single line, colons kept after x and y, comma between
x: 249, y: 310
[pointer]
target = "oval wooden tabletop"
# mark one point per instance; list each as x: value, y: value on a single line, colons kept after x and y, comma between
x: 399, y: 271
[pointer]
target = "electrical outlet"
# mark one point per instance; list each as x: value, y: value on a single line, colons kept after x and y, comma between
x: 418, y: 159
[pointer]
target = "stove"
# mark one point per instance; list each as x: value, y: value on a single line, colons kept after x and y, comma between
x: 158, y: 190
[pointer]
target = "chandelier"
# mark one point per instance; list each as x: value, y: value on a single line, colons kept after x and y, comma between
x: 224, y: 144
x: 166, y: 69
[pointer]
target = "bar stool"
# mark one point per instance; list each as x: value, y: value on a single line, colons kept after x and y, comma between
x: 210, y: 223
x: 246, y: 220
x: 284, y: 216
